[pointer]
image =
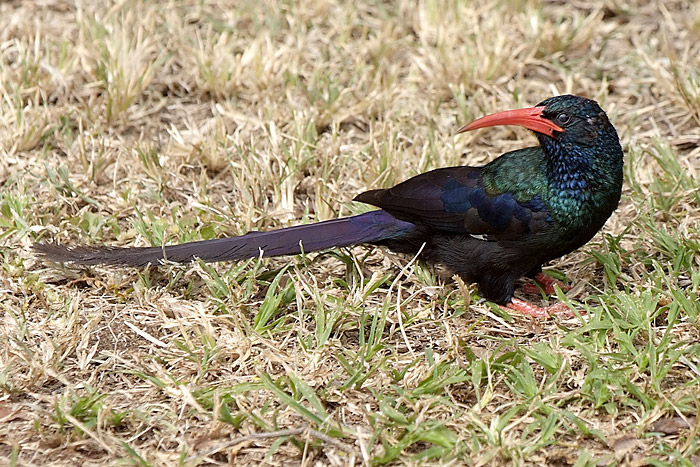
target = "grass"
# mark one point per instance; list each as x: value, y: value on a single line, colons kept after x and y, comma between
x: 142, y: 123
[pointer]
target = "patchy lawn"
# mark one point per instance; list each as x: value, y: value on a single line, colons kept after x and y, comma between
x: 143, y: 123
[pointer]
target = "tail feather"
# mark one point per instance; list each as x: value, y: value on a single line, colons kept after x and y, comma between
x: 370, y: 227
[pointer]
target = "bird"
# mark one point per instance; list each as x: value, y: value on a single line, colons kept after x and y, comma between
x: 491, y: 225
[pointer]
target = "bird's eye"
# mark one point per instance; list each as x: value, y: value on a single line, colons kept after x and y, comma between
x: 563, y: 119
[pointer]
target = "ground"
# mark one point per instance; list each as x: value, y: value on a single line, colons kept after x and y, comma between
x: 143, y: 123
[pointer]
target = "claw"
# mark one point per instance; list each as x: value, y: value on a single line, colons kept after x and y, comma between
x: 538, y: 312
x: 547, y: 284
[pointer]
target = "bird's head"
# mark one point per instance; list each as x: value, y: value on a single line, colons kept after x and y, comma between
x: 566, y: 119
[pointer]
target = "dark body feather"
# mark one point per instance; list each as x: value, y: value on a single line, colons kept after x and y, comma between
x: 491, y: 224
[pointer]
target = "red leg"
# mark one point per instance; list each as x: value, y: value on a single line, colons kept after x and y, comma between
x: 547, y: 283
x: 536, y: 311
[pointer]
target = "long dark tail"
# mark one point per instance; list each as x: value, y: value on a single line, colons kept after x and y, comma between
x: 370, y: 227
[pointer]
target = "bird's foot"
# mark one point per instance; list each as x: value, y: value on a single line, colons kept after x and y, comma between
x: 547, y: 284
x: 535, y: 311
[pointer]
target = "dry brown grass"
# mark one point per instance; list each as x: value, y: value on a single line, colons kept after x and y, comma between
x: 135, y: 123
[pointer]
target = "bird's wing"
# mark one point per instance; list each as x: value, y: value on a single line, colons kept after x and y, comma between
x: 453, y: 199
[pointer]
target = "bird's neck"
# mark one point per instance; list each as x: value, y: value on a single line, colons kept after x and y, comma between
x: 584, y: 182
